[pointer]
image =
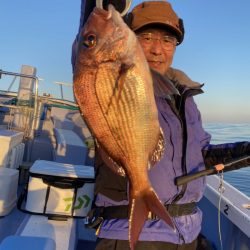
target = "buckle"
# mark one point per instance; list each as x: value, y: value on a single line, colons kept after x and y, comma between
x: 93, y: 219
x: 93, y: 222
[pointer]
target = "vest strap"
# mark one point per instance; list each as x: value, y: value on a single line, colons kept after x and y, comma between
x: 122, y: 212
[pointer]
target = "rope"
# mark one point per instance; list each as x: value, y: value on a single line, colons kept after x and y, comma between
x: 221, y: 190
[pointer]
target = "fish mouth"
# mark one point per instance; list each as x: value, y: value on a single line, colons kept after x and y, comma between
x: 99, y: 4
x: 106, y: 14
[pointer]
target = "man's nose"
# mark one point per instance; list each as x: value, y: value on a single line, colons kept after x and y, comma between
x: 156, y: 47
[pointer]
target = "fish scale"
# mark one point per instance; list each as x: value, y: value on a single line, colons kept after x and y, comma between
x: 118, y: 111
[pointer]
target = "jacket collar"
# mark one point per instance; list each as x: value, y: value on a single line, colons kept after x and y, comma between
x: 178, y: 77
x: 163, y: 86
x: 175, y: 82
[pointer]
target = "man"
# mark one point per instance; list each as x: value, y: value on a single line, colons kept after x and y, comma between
x: 159, y: 31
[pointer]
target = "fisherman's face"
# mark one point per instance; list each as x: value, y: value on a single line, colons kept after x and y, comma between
x: 159, y: 48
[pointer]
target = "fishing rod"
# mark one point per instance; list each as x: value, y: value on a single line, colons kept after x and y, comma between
x: 214, y: 170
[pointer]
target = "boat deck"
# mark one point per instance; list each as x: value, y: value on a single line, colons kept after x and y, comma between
x: 72, y: 234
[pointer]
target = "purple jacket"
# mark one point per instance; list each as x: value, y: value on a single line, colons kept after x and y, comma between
x: 188, y: 149
x: 185, y: 139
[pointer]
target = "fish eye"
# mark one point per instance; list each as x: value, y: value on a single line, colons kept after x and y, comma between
x: 89, y: 41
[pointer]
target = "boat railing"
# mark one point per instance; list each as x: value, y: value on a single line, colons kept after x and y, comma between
x: 61, y: 84
x: 29, y: 110
x: 27, y: 115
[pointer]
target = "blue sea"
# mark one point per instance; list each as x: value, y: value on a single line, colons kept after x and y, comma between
x: 224, y: 133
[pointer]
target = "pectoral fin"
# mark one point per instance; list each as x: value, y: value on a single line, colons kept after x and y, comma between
x: 119, y: 85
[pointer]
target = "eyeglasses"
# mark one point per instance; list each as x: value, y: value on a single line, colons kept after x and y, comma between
x: 167, y: 42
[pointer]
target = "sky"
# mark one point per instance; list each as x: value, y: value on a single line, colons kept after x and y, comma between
x: 215, y: 51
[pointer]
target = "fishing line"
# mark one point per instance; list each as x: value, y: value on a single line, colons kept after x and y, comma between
x: 221, y: 190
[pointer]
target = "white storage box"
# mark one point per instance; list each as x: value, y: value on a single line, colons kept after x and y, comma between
x: 8, y: 187
x: 8, y: 140
x: 57, y: 189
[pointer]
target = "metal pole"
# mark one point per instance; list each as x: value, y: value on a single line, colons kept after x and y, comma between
x: 14, y: 79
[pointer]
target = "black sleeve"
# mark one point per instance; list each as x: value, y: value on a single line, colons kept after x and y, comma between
x: 107, y: 182
x: 224, y: 153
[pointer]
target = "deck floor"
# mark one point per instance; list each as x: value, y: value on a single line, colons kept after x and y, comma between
x: 85, y: 244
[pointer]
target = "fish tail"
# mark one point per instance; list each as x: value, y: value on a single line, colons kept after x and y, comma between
x: 140, y: 208
x: 138, y: 216
x: 155, y: 206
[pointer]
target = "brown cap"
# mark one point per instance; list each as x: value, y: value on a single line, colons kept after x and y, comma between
x: 156, y: 12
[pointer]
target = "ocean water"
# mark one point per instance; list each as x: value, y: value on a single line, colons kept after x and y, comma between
x: 226, y: 133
